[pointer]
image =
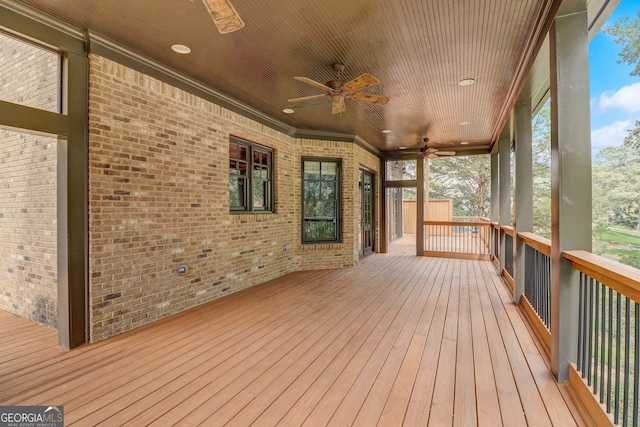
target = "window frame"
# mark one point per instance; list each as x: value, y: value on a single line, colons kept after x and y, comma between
x: 338, y: 200
x: 250, y: 180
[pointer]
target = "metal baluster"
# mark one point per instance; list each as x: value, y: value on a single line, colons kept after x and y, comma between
x: 603, y: 337
x: 547, y: 287
x: 609, y: 364
x: 636, y: 367
x: 591, y: 320
x: 581, y: 325
x: 616, y: 414
x: 627, y: 355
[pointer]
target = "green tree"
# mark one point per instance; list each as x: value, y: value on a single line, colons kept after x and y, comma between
x: 465, y: 180
x: 541, y: 169
x: 626, y: 32
x: 633, y: 139
x: 616, y: 184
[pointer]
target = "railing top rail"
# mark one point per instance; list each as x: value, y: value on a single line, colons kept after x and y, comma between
x: 470, y: 218
x: 458, y: 223
x: 620, y: 277
x: 538, y: 243
x: 507, y: 229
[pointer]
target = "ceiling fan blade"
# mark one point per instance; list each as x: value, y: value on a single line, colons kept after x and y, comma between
x: 431, y: 150
x: 445, y: 153
x: 360, y: 82
x: 338, y: 105
x: 304, y: 98
x: 308, y: 81
x: 432, y: 156
x: 372, y: 99
x: 224, y: 15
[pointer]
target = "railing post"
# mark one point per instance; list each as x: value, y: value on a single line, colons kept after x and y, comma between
x: 570, y: 174
x: 420, y: 196
x: 523, y: 203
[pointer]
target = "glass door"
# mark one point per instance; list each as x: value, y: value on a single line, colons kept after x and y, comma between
x: 367, y: 213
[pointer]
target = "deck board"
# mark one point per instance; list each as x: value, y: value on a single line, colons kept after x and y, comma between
x: 396, y: 340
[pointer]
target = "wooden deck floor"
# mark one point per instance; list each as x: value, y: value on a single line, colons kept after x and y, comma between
x: 397, y: 340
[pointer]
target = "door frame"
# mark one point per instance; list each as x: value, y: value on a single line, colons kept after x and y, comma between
x: 362, y: 171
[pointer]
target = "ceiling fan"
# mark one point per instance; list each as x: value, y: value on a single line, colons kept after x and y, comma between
x: 338, y: 90
x: 434, y: 153
x: 224, y: 15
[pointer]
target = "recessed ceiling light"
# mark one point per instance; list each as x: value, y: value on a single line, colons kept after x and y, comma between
x: 386, y: 131
x: 465, y: 123
x: 181, y: 49
x: 466, y: 82
x: 464, y: 143
x: 288, y: 110
x: 402, y: 148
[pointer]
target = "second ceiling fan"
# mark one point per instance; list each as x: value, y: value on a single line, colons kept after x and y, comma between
x: 434, y: 153
x: 339, y: 90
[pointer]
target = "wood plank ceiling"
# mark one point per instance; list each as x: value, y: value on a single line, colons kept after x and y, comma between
x: 418, y: 49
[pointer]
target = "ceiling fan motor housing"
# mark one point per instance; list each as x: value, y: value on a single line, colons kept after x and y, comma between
x: 335, y: 84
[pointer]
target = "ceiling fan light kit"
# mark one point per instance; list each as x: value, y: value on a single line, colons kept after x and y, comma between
x: 338, y: 90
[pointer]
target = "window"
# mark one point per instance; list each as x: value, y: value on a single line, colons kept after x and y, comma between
x: 31, y: 75
x: 321, y: 189
x: 250, y: 177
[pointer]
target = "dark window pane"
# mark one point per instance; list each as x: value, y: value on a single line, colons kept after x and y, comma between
x: 243, y: 168
x: 326, y: 208
x: 311, y: 190
x: 233, y: 151
x: 310, y: 209
x: 236, y: 192
x: 328, y: 190
x: 242, y: 153
x: 259, y: 195
x: 320, y: 230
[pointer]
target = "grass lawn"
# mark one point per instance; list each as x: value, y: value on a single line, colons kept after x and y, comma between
x: 609, y: 238
x: 621, y: 238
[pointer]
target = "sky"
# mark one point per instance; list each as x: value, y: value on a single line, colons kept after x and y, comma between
x: 615, y: 94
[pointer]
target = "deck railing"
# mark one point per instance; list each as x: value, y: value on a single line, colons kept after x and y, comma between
x: 508, y: 250
x: 495, y: 243
x: 457, y: 239
x: 537, y: 286
x: 606, y: 373
x: 608, y: 359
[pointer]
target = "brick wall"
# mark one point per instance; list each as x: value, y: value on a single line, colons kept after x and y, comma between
x: 28, y: 240
x: 158, y: 189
